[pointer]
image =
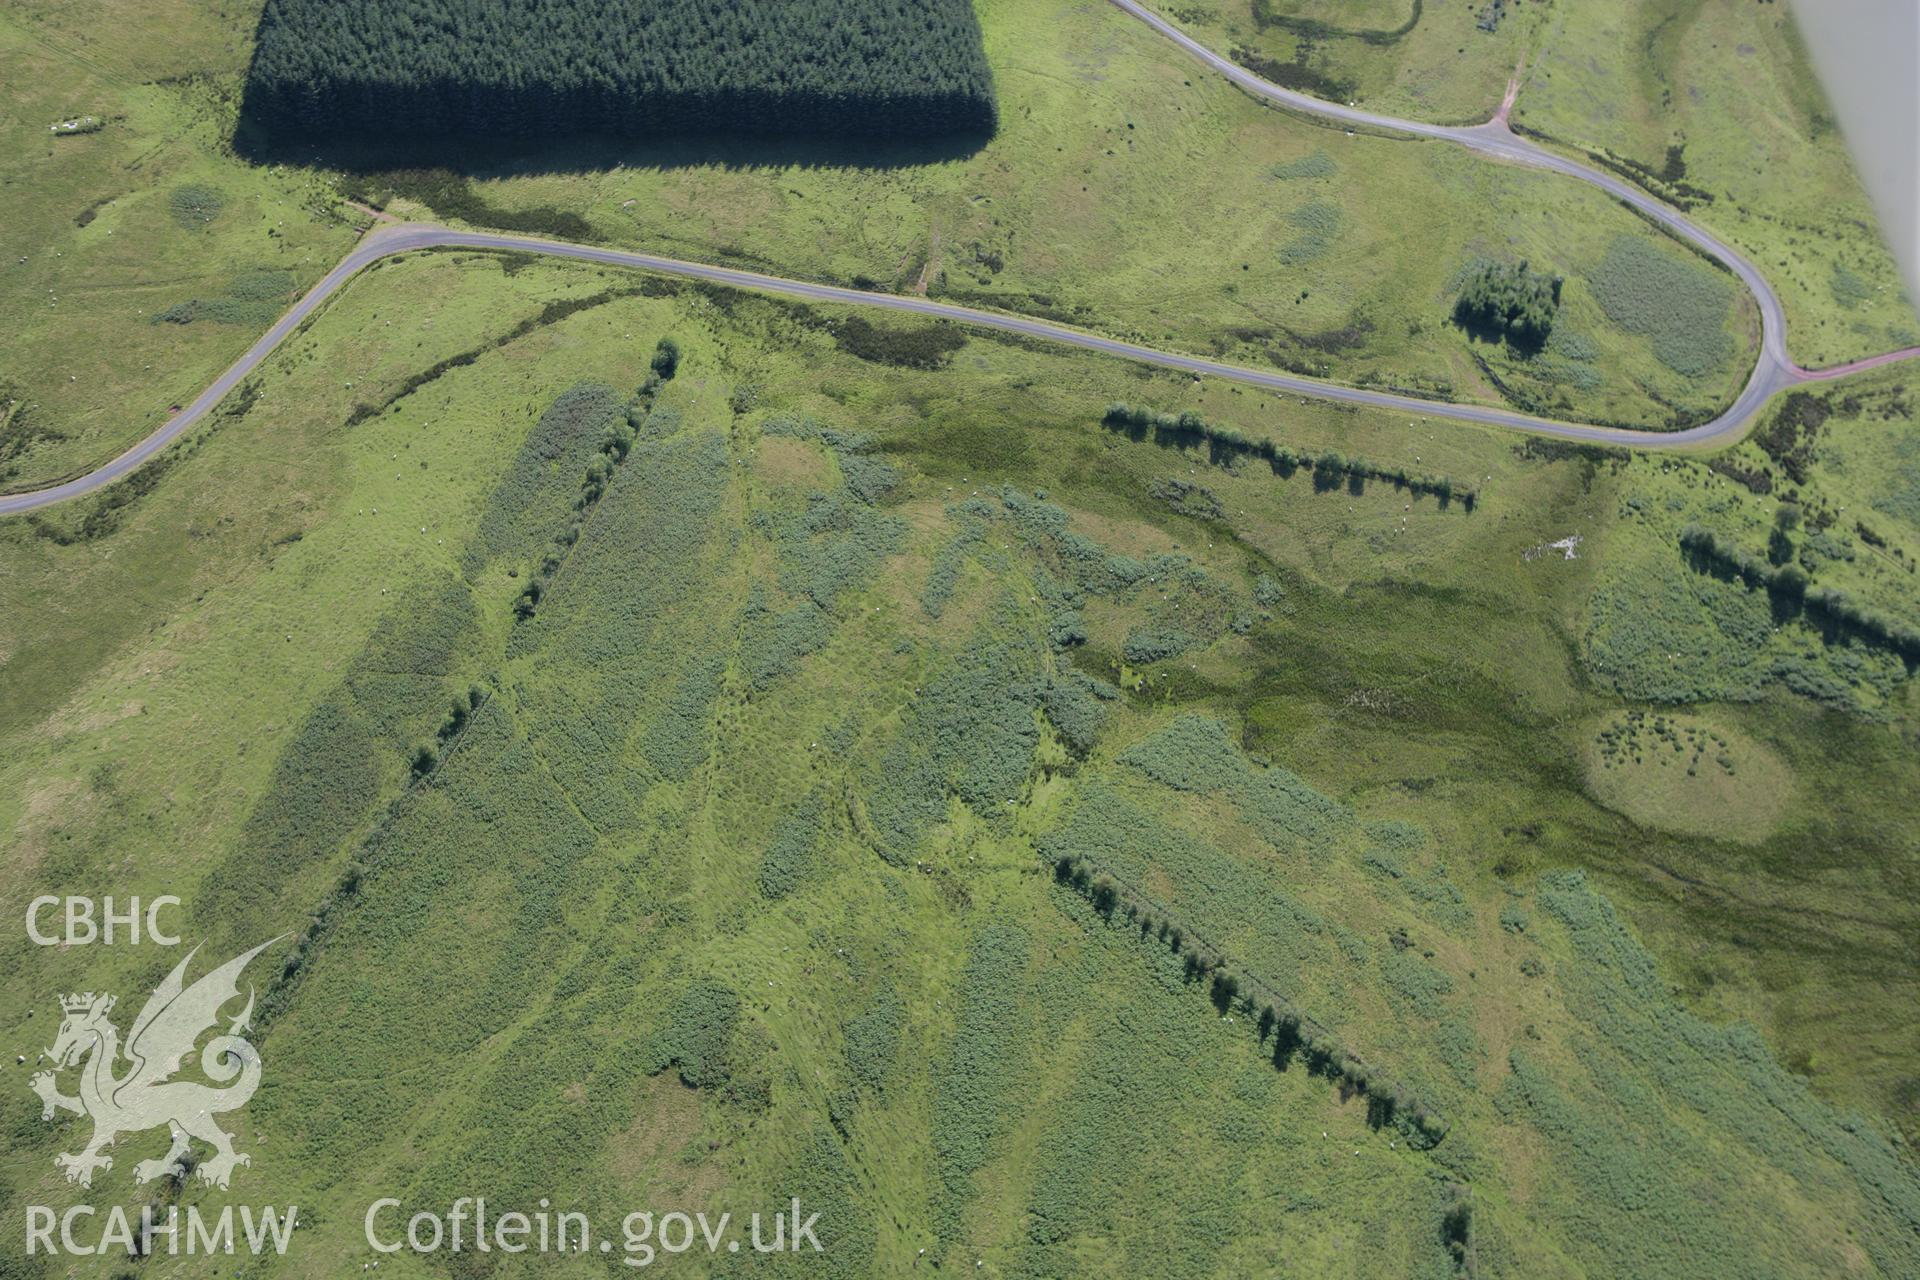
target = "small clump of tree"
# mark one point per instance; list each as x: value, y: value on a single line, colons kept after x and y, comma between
x: 427, y: 756
x: 1508, y: 300
x: 666, y: 359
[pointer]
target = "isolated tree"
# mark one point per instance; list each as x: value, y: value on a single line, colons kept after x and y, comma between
x: 666, y: 359
x: 1779, y: 546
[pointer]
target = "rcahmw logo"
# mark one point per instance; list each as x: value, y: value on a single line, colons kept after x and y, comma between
x: 146, y: 1094
x: 83, y: 1231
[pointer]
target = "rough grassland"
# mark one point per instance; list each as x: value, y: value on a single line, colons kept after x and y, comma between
x: 1125, y: 191
x: 1706, y: 105
x: 1809, y: 490
x: 1685, y: 774
x: 1361, y: 778
x: 107, y: 230
x: 1415, y: 59
x: 1727, y: 91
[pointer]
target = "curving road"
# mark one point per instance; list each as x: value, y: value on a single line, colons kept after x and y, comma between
x: 1773, y: 372
x: 1495, y: 139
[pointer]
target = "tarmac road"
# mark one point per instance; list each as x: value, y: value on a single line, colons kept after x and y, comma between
x: 1773, y: 372
x: 1775, y: 369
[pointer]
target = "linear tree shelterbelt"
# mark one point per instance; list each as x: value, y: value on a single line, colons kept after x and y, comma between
x: 413, y: 69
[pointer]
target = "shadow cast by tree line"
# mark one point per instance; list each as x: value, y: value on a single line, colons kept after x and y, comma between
x: 488, y: 159
x: 1792, y: 596
x: 1286, y: 1033
x: 1225, y: 445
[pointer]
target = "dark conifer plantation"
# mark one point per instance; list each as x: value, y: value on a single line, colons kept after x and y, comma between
x: 528, y: 69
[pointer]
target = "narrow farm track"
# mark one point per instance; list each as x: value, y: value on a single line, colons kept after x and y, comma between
x: 1773, y: 372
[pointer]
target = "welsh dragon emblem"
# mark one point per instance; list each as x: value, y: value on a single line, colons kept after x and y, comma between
x: 146, y: 1095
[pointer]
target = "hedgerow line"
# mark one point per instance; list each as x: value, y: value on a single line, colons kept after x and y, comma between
x: 1233, y: 985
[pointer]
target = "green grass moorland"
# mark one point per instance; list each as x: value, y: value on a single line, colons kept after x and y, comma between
x: 1040, y: 811
x: 1067, y: 848
x: 1716, y: 108
x: 146, y: 217
x: 1712, y: 107
x: 1408, y: 58
x: 1126, y: 191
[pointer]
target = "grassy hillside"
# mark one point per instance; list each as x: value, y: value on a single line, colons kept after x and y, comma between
x: 1709, y: 106
x: 1126, y: 191
x: 739, y: 875
x: 1670, y: 625
x: 1051, y: 816
x: 1705, y: 105
x: 1408, y: 58
x: 113, y: 228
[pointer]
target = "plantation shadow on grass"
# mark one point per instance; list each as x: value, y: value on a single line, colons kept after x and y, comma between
x: 486, y: 158
x: 1495, y: 335
x: 480, y: 70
